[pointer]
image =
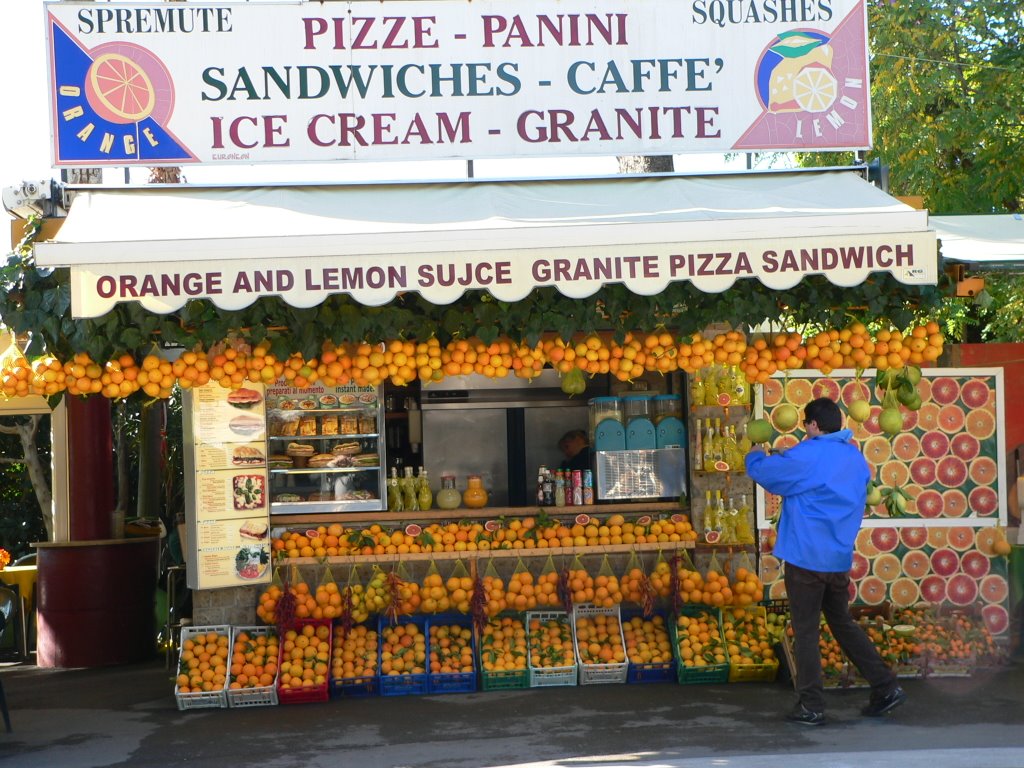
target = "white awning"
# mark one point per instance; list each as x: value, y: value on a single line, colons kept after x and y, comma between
x: 165, y: 245
x: 995, y: 240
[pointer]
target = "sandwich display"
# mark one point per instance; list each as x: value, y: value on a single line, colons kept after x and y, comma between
x: 349, y: 448
x: 280, y: 461
x: 254, y: 529
x: 321, y: 460
x: 246, y: 425
x: 299, y: 449
x: 244, y: 397
x: 246, y: 455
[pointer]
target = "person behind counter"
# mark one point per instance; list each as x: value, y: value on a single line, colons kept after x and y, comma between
x: 576, y: 447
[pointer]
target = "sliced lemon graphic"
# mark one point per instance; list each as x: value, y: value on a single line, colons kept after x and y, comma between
x: 123, y: 90
x: 815, y: 89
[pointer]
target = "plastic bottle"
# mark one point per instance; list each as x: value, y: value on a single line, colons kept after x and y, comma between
x: 743, y: 444
x: 560, y: 499
x: 711, y: 533
x: 710, y: 387
x: 698, y: 446
x: 729, y: 447
x: 718, y: 447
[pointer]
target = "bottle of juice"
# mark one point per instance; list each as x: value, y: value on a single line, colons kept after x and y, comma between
x: 697, y: 390
x: 708, y: 459
x: 423, y: 492
x: 410, y: 493
x: 395, y: 500
x: 711, y: 534
x: 744, y: 522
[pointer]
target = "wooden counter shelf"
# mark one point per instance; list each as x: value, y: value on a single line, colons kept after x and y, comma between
x: 436, y: 515
x: 667, y: 548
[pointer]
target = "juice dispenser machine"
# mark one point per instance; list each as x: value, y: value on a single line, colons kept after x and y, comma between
x: 606, y: 428
x: 668, y: 421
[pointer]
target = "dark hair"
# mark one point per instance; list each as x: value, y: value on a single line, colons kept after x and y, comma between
x: 825, y: 413
x: 574, y: 434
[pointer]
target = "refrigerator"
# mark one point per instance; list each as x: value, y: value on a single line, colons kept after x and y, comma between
x: 501, y: 430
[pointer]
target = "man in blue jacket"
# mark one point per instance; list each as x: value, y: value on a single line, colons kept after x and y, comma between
x: 823, y: 481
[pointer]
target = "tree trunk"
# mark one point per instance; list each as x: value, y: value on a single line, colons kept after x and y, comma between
x: 26, y: 432
x: 646, y: 164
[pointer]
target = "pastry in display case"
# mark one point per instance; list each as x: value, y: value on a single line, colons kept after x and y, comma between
x: 325, y: 453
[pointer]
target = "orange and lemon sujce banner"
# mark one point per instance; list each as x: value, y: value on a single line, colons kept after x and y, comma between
x: 939, y: 545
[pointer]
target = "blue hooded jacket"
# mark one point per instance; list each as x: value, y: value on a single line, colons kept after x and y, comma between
x: 823, y: 481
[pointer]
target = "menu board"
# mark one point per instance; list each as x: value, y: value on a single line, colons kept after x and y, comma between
x: 228, y: 512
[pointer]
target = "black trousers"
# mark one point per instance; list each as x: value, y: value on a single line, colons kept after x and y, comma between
x: 812, y: 593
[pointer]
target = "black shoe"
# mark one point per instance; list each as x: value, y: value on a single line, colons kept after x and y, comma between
x: 879, y: 706
x: 804, y: 716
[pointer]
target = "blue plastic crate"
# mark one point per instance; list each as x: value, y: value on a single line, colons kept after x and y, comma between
x: 650, y: 673
x: 402, y: 685
x: 350, y: 687
x: 457, y: 682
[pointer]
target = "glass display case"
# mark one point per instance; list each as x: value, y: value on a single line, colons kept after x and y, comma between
x: 325, y: 450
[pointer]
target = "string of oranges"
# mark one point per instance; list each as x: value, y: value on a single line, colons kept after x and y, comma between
x: 231, y: 364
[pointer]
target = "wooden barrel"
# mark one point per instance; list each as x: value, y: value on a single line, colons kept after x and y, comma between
x: 94, y: 602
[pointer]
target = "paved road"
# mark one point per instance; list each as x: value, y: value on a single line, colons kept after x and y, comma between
x: 126, y: 716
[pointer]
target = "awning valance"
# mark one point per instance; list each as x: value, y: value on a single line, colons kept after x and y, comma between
x: 993, y: 241
x: 165, y: 245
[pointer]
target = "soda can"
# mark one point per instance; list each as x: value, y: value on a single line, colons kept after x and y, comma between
x: 588, y: 486
x: 577, y: 487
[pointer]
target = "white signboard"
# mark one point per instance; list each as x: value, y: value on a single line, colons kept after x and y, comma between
x: 577, y: 272
x: 180, y: 83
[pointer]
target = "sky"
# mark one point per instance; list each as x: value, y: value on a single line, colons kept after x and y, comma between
x: 25, y: 134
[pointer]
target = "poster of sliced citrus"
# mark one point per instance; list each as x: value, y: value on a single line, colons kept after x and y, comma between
x: 871, y: 590
x: 985, y: 538
x: 961, y: 537
x: 976, y: 394
x: 826, y: 388
x: 951, y: 419
x: 777, y: 591
x: 857, y: 389
x: 994, y: 588
x: 997, y: 619
x: 815, y: 89
x: 771, y: 568
x: 904, y: 592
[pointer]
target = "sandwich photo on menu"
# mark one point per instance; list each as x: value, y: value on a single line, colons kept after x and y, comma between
x: 246, y: 455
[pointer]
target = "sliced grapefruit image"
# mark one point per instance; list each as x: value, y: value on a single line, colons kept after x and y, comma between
x: 945, y: 390
x: 984, y: 470
x: 782, y: 442
x: 864, y: 543
x: 871, y: 425
x: 894, y: 474
x: 924, y: 389
x: 965, y: 445
x: 951, y: 471
x: 860, y: 568
x: 980, y: 423
x: 906, y: 446
x: 851, y: 591
x: 997, y: 619
x: 933, y: 589
x: 928, y: 417
x: 976, y: 393
x: 983, y: 501
x: 777, y: 591
x: 798, y: 392
x: 871, y: 590
x: 954, y: 503
x: 916, y: 564
x: 771, y: 393
x: 960, y: 537
x: 975, y: 564
x: 855, y: 390
x: 119, y: 90
x: 934, y: 444
x: 884, y: 539
x: 826, y: 388
x: 913, y: 536
x: 904, y: 592
x: 929, y: 504
x: 945, y: 562
x: 922, y: 470
x: 961, y: 589
x: 994, y: 588
x: 877, y: 450
x: 886, y: 567
x: 985, y: 538
x: 909, y: 419
x: 951, y: 419
x: 938, y: 537
x: 771, y: 568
